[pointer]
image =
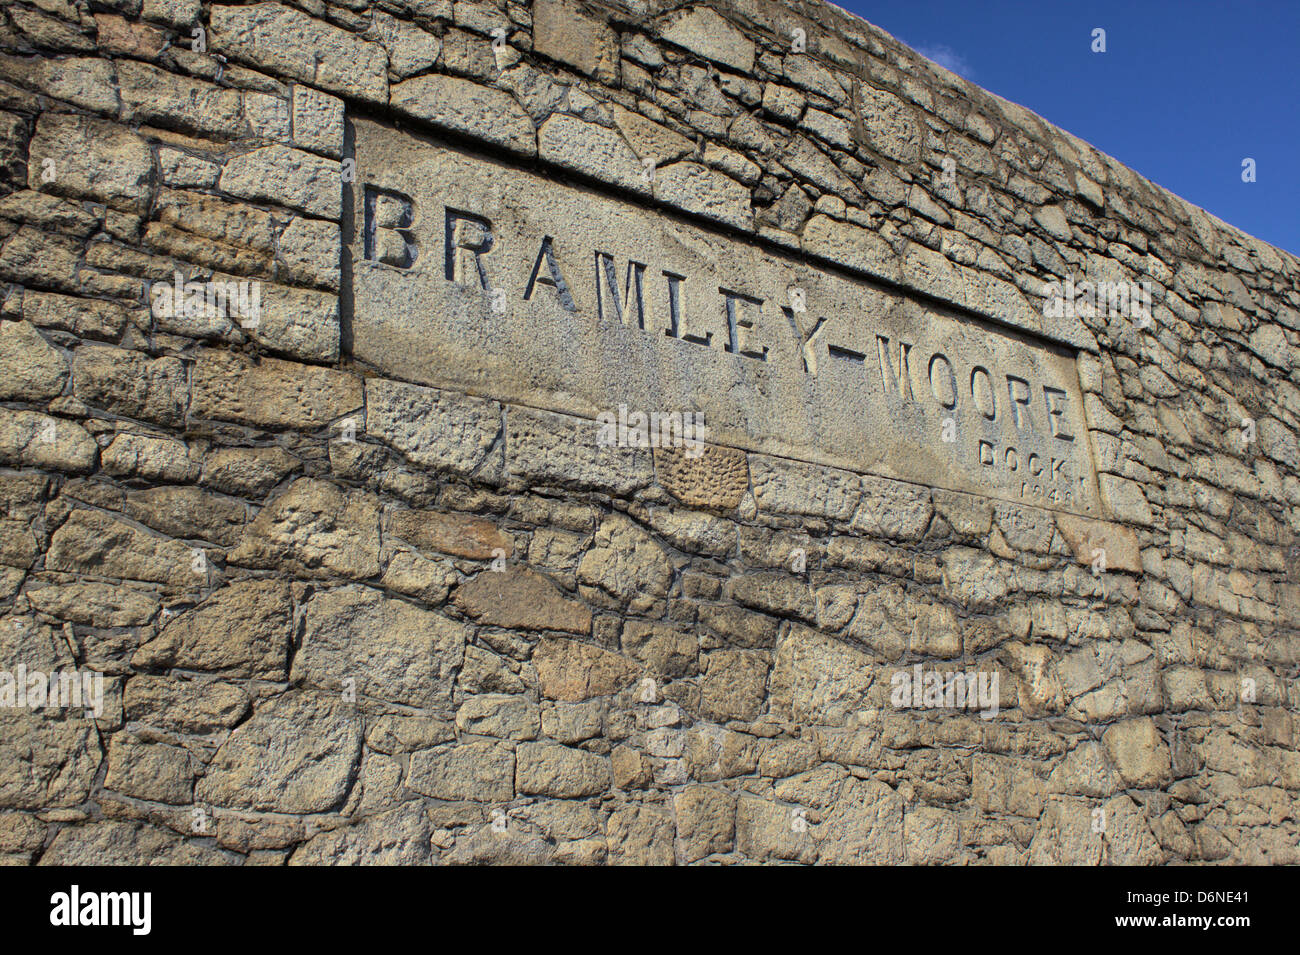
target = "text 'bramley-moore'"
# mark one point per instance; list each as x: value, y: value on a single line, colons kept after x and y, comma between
x: 477, y: 275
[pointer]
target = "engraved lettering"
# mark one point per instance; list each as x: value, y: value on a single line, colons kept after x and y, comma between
x: 1056, y: 400
x: 553, y: 277
x: 741, y: 326
x: 387, y: 233
x: 633, y: 299
x: 946, y: 376
x: 675, y: 317
x: 902, y: 380
x: 1018, y: 390
x: 468, y: 237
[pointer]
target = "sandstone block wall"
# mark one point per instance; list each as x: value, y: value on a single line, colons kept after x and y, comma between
x: 344, y: 615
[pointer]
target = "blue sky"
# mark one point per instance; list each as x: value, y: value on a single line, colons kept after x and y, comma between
x: 1185, y: 91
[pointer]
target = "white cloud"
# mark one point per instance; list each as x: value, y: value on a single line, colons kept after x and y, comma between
x: 948, y: 58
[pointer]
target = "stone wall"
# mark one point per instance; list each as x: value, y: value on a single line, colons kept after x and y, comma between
x: 343, y: 614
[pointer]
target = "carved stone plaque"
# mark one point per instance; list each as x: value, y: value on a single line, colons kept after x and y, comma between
x: 473, y: 274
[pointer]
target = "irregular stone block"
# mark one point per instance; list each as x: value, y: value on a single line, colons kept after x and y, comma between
x: 627, y: 564
x: 441, y: 430
x: 593, y: 150
x: 127, y: 844
x: 716, y: 479
x: 31, y: 439
x: 572, y: 672
x: 242, y: 630
x: 316, y: 529
x: 184, y: 706
x: 286, y: 177
x: 90, y: 542
x: 564, y: 33
x: 397, y: 837
x: 482, y: 771
x: 1139, y: 753
x: 149, y: 458
x: 30, y: 369
x: 701, y: 30
x: 819, y: 680
x: 271, y: 393
x: 463, y: 106
x: 296, y: 754
x: 130, y: 384
x: 385, y: 649
x: 521, y: 599
x: 449, y: 533
x: 150, y: 770
x: 286, y: 41
x: 548, y: 769
x: 46, y: 763
x: 1093, y: 540
x: 317, y: 121
x: 92, y: 159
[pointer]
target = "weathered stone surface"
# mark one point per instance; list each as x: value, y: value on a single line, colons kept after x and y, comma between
x: 593, y: 150
x: 249, y: 472
x: 289, y: 42
x: 149, y: 458
x: 546, y: 448
x: 288, y: 177
x: 126, y: 844
x: 31, y: 439
x: 465, y: 107
x: 505, y: 716
x: 931, y: 836
x: 863, y: 826
x: 818, y: 679
x: 706, y: 192
x: 317, y: 529
x: 380, y: 647
x: 703, y: 31
x: 158, y: 98
x: 397, y: 837
x: 716, y: 479
x: 706, y: 821
x: 453, y: 534
x: 271, y: 393
x: 242, y: 630
x: 521, y: 599
x: 1107, y: 546
x: 103, y: 605
x: 317, y: 121
x: 92, y: 159
x: 90, y: 542
x: 130, y: 384
x: 571, y: 671
x: 625, y: 562
x: 88, y: 318
x: 564, y: 33
x: 46, y: 763
x: 1138, y: 752
x: 186, y: 706
x: 150, y: 770
x: 640, y: 835
x: 30, y: 370
x: 295, y: 754
x: 768, y: 831
x: 664, y: 650
x: 549, y: 769
x: 436, y: 429
x: 734, y: 686
x: 481, y: 771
